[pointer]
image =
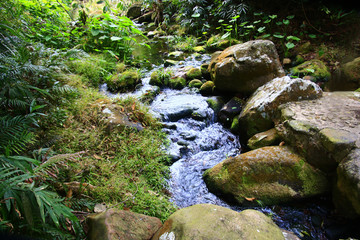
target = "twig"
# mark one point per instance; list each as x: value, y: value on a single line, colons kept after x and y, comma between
x: 302, y: 5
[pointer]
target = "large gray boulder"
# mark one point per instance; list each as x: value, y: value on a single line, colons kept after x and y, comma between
x: 118, y: 224
x: 245, y: 67
x: 271, y: 175
x: 258, y: 113
x: 211, y: 222
x: 325, y: 130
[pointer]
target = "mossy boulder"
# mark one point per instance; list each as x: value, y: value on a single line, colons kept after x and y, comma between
x: 271, y: 175
x: 160, y: 78
x: 207, y: 221
x: 347, y: 77
x: 134, y: 11
x: 118, y: 224
x: 244, y: 67
x: 258, y: 113
x: 196, y: 83
x: 194, y: 73
x: 177, y: 83
x: 207, y: 88
x: 263, y: 139
x: 125, y: 81
x: 315, y: 68
x: 346, y: 195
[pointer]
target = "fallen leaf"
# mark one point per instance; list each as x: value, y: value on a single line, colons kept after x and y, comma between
x: 282, y: 144
x: 96, y: 157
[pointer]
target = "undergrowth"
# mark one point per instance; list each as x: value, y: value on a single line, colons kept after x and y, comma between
x: 125, y: 168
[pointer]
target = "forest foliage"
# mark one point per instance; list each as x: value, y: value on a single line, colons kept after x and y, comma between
x: 54, y: 54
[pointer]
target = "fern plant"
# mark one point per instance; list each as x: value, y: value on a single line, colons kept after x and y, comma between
x: 27, y: 206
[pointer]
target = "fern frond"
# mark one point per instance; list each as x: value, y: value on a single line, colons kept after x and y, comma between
x: 14, y: 134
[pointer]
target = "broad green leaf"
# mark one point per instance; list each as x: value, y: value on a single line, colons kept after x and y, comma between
x: 293, y: 38
x: 278, y: 36
x: 195, y: 15
x: 286, y: 22
x: 261, y: 29
x: 289, y: 45
x: 114, y: 38
x: 273, y: 16
x: 290, y: 17
x: 95, y: 32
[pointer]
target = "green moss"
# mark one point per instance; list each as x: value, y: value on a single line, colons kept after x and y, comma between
x: 199, y: 49
x: 125, y: 81
x: 160, y: 78
x: 177, y: 83
x: 314, y: 68
x: 196, y: 83
x: 194, y: 73
x: 235, y: 125
x: 207, y: 88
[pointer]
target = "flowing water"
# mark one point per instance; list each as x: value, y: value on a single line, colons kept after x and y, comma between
x: 198, y: 142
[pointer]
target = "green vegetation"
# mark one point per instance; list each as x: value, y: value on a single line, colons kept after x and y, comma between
x: 59, y: 153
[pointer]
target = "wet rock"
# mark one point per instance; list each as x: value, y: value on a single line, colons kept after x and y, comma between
x: 115, y: 118
x: 125, y: 81
x: 271, y: 175
x: 315, y: 68
x: 207, y: 221
x: 324, y: 130
x: 119, y: 224
x: 193, y: 73
x: 204, y: 70
x: 172, y: 106
x: 196, y: 83
x: 207, y: 88
x: 263, y: 139
x: 346, y: 195
x: 347, y: 77
x: 257, y: 114
x: 230, y: 110
x: 191, y: 135
x: 177, y: 55
x: 245, y: 67
x: 169, y: 62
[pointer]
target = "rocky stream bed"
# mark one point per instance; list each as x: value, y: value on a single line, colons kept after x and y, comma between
x: 201, y: 142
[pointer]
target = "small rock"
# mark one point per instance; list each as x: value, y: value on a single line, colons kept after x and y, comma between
x: 118, y: 224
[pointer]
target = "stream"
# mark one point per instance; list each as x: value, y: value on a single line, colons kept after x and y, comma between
x: 198, y: 142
